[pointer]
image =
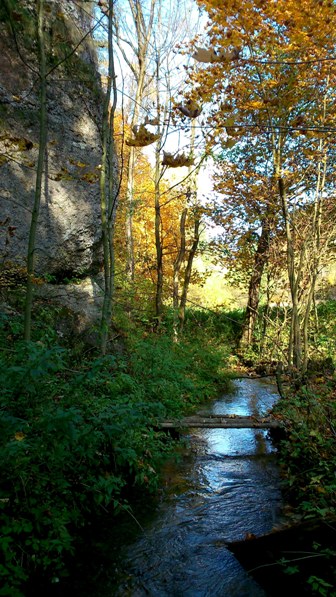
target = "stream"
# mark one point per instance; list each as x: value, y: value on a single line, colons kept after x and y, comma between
x: 225, y: 487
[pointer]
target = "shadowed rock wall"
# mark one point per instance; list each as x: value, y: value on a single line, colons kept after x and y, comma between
x: 68, y: 238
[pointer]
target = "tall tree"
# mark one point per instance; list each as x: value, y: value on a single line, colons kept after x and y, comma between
x: 137, y: 39
x: 40, y: 167
x: 185, y: 254
x: 246, y: 209
x: 109, y: 185
x: 266, y: 67
x: 161, y: 84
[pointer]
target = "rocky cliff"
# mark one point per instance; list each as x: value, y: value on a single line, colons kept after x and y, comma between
x: 68, y: 240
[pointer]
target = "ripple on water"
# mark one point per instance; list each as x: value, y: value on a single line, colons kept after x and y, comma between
x: 229, y: 489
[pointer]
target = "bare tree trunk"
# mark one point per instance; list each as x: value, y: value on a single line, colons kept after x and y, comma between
x: 188, y: 271
x: 305, y: 330
x: 177, y: 269
x: 260, y: 261
x: 180, y: 258
x: 143, y: 32
x: 265, y: 317
x: 308, y: 255
x: 316, y: 249
x: 108, y: 192
x: 293, y: 279
x: 157, y: 179
x: 179, y: 304
x: 39, y: 171
x: 311, y: 292
x: 130, y: 259
x: 290, y: 342
x: 158, y: 238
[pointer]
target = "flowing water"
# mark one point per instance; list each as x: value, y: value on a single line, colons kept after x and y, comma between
x: 225, y: 487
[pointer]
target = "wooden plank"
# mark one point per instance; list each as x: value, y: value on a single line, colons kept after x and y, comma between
x: 221, y: 422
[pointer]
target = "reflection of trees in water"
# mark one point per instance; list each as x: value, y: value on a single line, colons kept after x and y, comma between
x: 255, y: 404
x: 261, y: 444
x: 224, y: 487
x: 249, y: 397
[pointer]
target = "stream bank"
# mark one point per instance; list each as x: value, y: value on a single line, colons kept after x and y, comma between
x: 224, y: 488
x: 227, y: 490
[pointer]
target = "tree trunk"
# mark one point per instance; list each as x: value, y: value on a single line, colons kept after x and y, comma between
x: 130, y: 260
x: 188, y: 271
x: 260, y: 260
x: 316, y: 234
x: 39, y: 171
x: 143, y: 34
x: 108, y: 192
x: 265, y: 317
x: 177, y: 269
x: 293, y: 280
x: 179, y: 259
x: 158, y: 239
x: 180, y: 306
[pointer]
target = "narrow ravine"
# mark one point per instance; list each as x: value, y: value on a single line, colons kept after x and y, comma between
x: 227, y: 488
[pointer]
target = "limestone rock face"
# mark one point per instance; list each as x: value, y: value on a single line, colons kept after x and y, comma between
x: 68, y: 237
x: 84, y: 299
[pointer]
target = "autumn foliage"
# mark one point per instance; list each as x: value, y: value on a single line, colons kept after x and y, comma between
x: 266, y: 72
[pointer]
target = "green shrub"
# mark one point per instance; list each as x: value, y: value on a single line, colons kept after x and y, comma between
x: 326, y: 335
x: 308, y: 454
x: 77, y: 438
x: 63, y: 462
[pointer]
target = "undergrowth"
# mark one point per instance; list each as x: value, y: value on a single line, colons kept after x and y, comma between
x: 272, y: 332
x: 308, y: 453
x: 307, y: 457
x: 79, y: 436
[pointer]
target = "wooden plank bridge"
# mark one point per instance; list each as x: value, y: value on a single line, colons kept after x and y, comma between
x: 221, y: 422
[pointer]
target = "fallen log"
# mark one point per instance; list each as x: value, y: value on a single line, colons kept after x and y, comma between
x: 221, y: 422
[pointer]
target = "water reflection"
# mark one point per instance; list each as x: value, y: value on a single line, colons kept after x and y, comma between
x: 229, y: 442
x: 229, y: 489
x: 251, y: 397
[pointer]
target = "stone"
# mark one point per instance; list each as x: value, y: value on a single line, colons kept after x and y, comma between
x: 84, y: 299
x: 69, y: 233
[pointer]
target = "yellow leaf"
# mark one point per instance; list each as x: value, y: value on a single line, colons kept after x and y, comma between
x: 19, y: 436
x: 254, y: 105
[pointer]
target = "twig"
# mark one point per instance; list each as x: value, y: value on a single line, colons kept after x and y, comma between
x: 318, y: 555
